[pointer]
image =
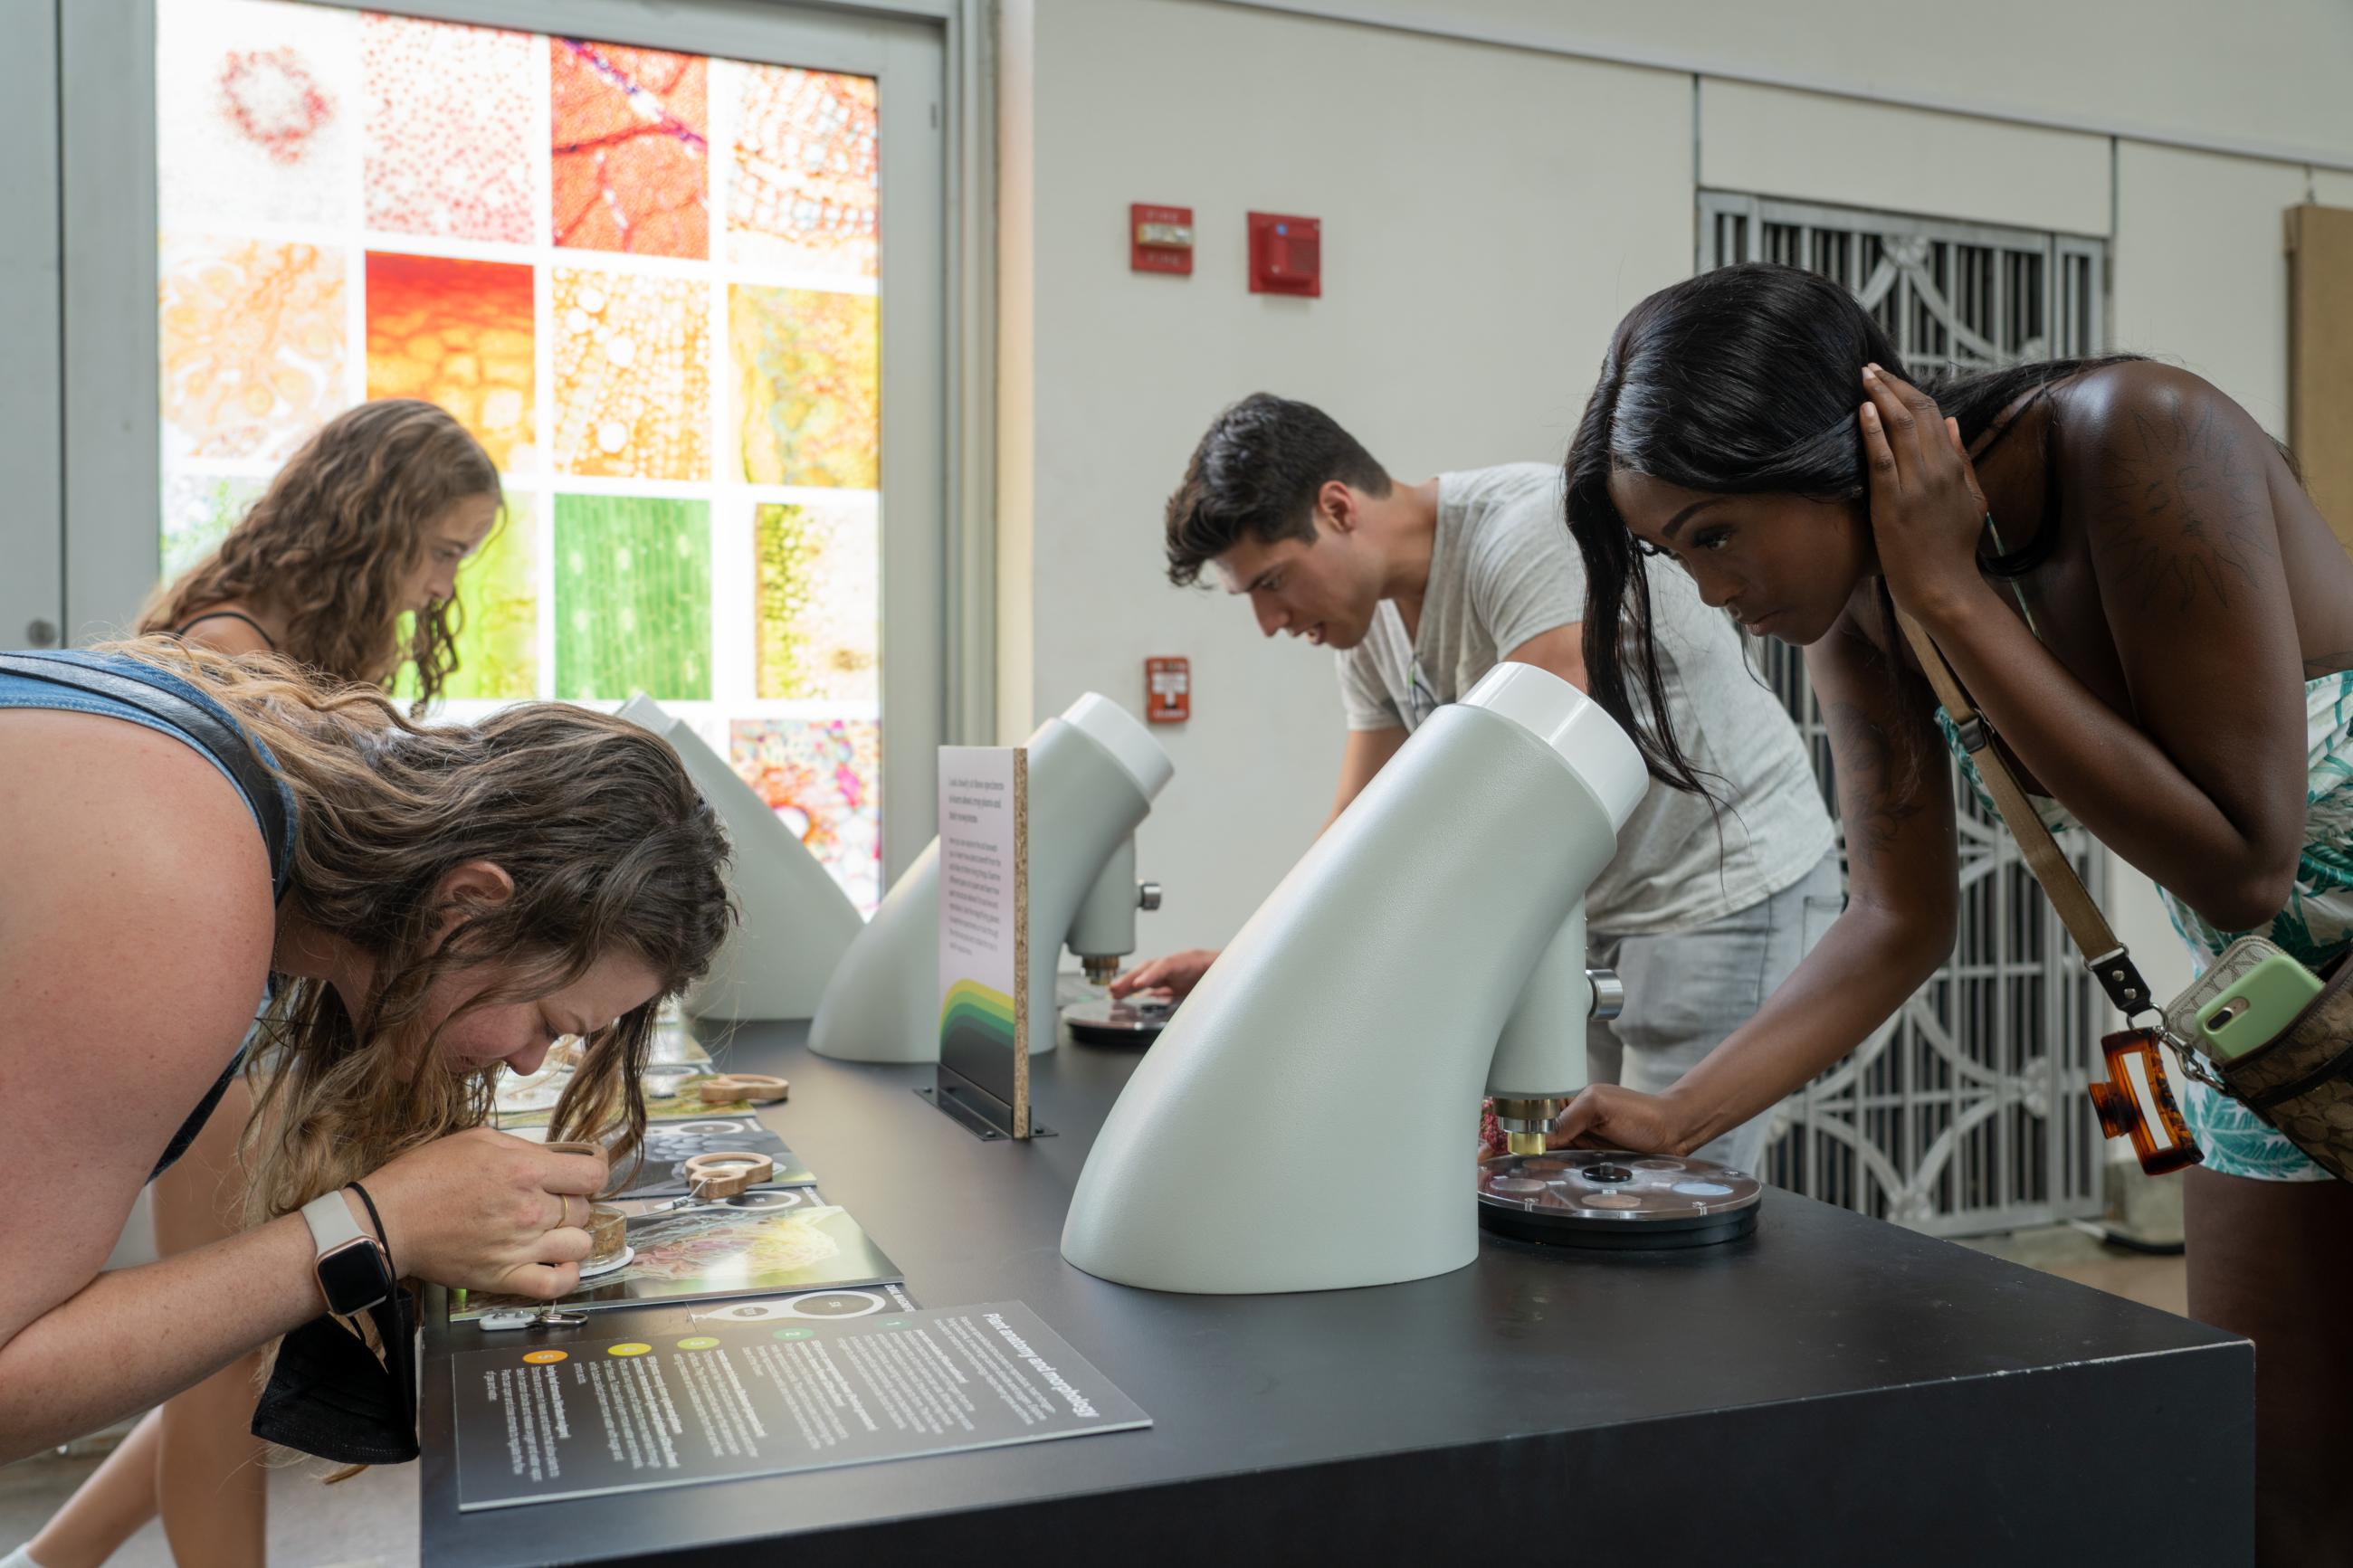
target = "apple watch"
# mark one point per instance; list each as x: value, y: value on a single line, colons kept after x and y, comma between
x: 354, y: 1274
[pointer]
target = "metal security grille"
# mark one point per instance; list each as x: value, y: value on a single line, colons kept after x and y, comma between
x: 1967, y: 1114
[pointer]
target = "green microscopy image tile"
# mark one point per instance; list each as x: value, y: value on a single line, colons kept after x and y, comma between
x: 198, y: 512
x: 498, y: 590
x: 632, y: 598
x: 818, y: 616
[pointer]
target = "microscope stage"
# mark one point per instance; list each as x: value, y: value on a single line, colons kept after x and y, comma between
x: 1135, y: 1021
x: 1608, y: 1197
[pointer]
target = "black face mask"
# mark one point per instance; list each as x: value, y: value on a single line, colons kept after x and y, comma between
x: 330, y: 1396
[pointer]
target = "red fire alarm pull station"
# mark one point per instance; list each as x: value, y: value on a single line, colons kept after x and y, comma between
x: 1286, y: 255
x: 1160, y: 240
x: 1168, y: 690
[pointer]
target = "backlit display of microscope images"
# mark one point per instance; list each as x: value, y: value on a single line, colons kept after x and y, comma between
x: 1427, y: 952
x: 1094, y: 773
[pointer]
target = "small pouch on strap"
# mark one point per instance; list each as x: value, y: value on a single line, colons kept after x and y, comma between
x: 2302, y: 1081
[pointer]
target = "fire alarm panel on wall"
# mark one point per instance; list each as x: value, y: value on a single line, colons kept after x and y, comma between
x: 1168, y: 690
x: 1160, y: 240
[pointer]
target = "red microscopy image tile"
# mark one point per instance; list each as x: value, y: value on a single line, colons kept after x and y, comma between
x: 447, y: 128
x: 631, y: 146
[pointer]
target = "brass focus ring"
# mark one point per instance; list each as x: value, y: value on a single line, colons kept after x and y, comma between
x: 727, y: 1173
x: 759, y: 1088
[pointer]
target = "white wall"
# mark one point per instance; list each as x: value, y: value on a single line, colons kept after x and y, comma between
x: 2252, y: 71
x: 1770, y: 142
x: 2202, y: 268
x: 1488, y: 216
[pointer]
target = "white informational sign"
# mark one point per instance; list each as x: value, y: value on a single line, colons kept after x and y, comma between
x: 984, y: 936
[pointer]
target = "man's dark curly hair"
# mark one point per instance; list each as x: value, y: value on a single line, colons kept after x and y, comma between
x: 1255, y: 475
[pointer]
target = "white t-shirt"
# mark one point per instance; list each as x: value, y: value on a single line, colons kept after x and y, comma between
x: 1503, y: 568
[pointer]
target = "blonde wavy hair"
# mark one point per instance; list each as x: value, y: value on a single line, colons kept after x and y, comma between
x: 610, y: 846
x: 341, y: 528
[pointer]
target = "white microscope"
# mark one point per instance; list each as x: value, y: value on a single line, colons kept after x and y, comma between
x: 796, y: 923
x: 1094, y: 773
x: 1307, y: 1121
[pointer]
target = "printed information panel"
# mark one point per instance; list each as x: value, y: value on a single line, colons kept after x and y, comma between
x: 984, y: 923
x: 536, y: 1425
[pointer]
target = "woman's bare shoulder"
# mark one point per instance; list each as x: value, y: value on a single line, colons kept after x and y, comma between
x: 223, y: 629
x: 2142, y: 414
x: 131, y: 836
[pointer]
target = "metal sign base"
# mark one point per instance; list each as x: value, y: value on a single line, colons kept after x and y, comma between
x: 976, y: 1111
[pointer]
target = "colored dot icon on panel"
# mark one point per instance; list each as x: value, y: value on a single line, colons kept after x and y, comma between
x: 546, y: 1358
x: 795, y: 1333
x: 892, y: 1323
x: 699, y: 1342
x: 631, y: 1348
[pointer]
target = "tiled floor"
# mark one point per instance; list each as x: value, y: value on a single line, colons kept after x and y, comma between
x: 370, y: 1522
x: 2160, y: 1282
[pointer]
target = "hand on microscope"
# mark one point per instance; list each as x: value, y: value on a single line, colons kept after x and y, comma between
x: 1176, y: 974
x: 1608, y: 1116
x: 1605, y: 1115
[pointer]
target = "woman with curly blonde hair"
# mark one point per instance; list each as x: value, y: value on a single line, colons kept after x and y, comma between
x: 434, y: 903
x: 365, y: 526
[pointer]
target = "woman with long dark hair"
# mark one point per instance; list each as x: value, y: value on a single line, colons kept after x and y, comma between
x: 2136, y: 592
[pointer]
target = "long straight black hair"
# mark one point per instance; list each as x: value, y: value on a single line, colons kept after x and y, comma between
x: 1742, y: 381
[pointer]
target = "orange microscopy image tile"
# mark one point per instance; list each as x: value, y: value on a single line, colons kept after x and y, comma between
x: 803, y: 193
x: 252, y: 345
x: 632, y: 363
x: 448, y: 129
x: 630, y: 138
x: 458, y: 333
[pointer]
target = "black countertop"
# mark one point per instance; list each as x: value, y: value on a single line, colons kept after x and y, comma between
x: 1832, y: 1388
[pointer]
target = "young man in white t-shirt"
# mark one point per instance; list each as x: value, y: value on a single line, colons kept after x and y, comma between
x: 1422, y: 589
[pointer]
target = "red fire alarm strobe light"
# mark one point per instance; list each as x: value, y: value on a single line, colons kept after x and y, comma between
x: 1286, y: 255
x: 1160, y: 240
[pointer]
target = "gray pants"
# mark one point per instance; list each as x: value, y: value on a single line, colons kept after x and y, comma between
x: 1686, y: 990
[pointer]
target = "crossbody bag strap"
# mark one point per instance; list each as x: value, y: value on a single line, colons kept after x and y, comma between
x: 2110, y: 963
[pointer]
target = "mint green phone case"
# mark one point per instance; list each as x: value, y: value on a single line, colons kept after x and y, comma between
x: 2257, y: 1006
